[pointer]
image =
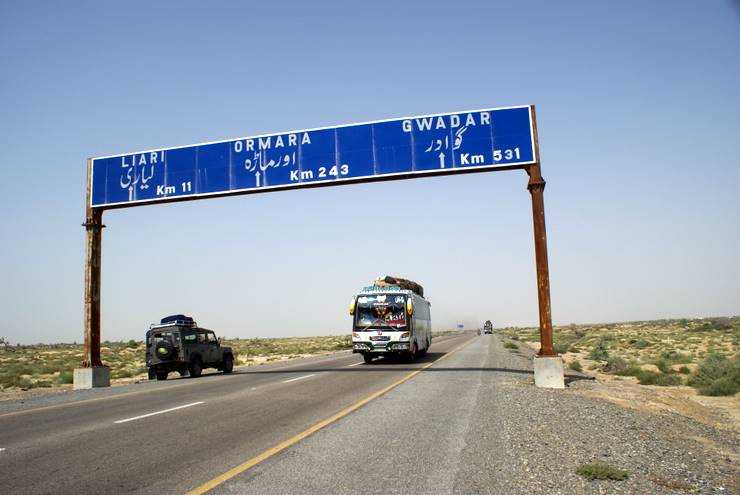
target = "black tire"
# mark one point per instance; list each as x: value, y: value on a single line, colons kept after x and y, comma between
x: 412, y: 352
x: 161, y: 375
x: 196, y: 368
x: 368, y: 358
x: 151, y: 373
x: 228, y: 364
x: 163, y: 350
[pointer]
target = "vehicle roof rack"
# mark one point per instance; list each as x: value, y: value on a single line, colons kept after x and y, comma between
x: 179, y: 317
x: 174, y: 320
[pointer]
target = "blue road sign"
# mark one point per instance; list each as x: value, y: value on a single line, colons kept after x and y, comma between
x: 448, y: 143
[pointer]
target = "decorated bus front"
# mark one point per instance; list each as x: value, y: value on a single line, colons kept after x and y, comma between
x: 383, y: 322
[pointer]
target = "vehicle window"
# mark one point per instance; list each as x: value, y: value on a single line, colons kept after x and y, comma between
x: 160, y: 336
x: 211, y: 337
x: 421, y: 310
x: 201, y: 337
x: 381, y: 311
x: 189, y: 338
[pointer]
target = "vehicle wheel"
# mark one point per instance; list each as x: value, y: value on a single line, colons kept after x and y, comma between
x: 412, y: 353
x: 161, y: 375
x: 368, y: 358
x: 228, y: 364
x: 196, y: 368
x: 151, y: 373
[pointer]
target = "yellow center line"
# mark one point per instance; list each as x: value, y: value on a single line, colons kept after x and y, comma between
x: 219, y: 480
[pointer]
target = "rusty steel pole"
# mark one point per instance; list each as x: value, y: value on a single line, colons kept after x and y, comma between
x: 94, y: 227
x: 536, y: 187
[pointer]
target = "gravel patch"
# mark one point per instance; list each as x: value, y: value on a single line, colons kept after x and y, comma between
x: 545, y: 435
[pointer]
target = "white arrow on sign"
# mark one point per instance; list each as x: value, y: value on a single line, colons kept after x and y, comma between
x: 442, y: 160
x: 257, y: 176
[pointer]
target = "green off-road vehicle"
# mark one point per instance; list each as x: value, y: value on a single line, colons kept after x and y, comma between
x: 178, y: 344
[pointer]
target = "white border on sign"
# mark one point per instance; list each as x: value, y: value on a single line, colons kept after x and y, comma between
x: 288, y: 186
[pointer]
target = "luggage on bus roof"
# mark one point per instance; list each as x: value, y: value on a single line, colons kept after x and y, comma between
x: 400, y: 282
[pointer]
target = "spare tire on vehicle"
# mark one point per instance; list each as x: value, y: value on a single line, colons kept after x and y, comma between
x: 163, y: 349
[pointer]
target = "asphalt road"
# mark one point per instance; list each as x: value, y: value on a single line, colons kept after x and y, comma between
x: 171, y: 437
x: 474, y: 423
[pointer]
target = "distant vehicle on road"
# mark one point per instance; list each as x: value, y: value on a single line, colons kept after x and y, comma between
x: 178, y: 344
x: 391, y: 318
x: 488, y: 327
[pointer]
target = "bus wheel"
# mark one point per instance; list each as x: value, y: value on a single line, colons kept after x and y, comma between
x: 412, y: 353
x: 368, y: 358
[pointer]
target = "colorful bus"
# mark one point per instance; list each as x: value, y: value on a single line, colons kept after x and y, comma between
x: 391, y: 318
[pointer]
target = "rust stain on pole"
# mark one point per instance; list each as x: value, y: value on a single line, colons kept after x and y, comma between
x: 94, y: 227
x: 536, y: 187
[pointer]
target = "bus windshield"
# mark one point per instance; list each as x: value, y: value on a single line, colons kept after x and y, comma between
x: 377, y: 311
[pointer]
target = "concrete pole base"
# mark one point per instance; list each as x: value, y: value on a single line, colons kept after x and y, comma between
x: 84, y: 378
x: 548, y: 372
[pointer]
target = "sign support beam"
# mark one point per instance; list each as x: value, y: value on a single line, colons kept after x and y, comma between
x: 536, y: 187
x: 94, y: 236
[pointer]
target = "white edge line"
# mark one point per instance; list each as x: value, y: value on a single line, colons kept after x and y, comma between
x: 158, y: 412
x: 299, y: 378
x: 535, y: 155
x: 351, y: 365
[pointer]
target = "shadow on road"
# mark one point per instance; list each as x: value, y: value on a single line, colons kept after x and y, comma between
x: 384, y: 365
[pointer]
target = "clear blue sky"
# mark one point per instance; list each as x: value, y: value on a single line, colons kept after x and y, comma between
x: 638, y: 107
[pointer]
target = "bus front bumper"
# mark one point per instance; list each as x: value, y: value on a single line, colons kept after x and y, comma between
x: 364, y: 347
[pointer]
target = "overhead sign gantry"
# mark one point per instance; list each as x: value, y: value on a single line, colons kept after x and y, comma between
x: 427, y: 145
